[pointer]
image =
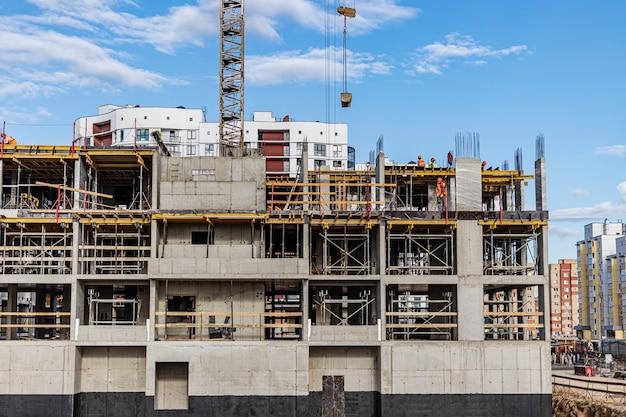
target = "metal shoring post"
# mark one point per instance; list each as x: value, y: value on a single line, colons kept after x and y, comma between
x: 298, y: 245
x: 405, y: 270
x: 271, y: 240
x: 345, y: 250
x: 325, y: 249
x: 252, y: 239
x: 19, y: 178
x: 282, y: 253
x: 388, y: 260
x: 366, y: 250
x: 232, y: 313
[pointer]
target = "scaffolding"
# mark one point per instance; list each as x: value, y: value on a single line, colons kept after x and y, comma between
x: 513, y: 313
x: 343, y: 252
x: 118, y: 183
x: 420, y: 252
x: 23, y: 188
x: 28, y: 248
x: 418, y: 315
x: 114, y: 248
x: 511, y: 252
x: 351, y: 306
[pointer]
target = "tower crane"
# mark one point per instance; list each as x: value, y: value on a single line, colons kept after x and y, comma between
x: 232, y: 27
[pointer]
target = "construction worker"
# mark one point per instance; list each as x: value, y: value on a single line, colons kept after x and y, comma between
x: 441, y: 192
x: 483, y: 165
x: 433, y: 163
x: 450, y: 159
x: 420, y: 162
x: 7, y: 140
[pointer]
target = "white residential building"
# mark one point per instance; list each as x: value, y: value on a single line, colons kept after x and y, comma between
x: 187, y: 133
x: 595, y: 281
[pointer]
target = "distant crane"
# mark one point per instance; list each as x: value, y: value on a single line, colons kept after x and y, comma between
x: 232, y: 28
x: 346, y: 12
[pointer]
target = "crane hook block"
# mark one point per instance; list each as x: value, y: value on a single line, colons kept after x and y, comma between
x: 346, y: 11
x: 346, y: 99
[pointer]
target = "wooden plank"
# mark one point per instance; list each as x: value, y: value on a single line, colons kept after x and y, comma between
x: 35, y: 326
x: 422, y: 326
x: 421, y: 314
x: 78, y: 190
x: 514, y: 326
x: 34, y: 314
x: 513, y: 314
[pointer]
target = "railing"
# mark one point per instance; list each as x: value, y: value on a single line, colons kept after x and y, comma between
x: 420, y: 324
x: 59, y: 330
x: 245, y: 325
x: 605, y: 389
x: 512, y: 325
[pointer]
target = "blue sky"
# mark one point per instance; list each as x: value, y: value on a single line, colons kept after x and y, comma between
x: 419, y: 71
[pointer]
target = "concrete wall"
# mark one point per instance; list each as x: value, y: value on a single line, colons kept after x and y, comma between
x: 466, y: 368
x: 228, y: 369
x: 190, y: 268
x: 221, y: 184
x: 112, y: 369
x: 36, y: 368
x: 358, y: 365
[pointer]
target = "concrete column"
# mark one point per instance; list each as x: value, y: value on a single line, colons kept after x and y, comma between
x: 380, y: 179
x: 468, y: 185
x: 381, y: 248
x: 154, y: 186
x: 153, y: 306
x: 78, y: 307
x: 470, y: 283
x: 382, y: 304
x: 75, y: 245
x: 306, y: 237
x: 12, y: 306
x: 304, y: 166
x: 542, y: 251
x: 305, y: 309
x: 77, y: 182
x: 541, y: 199
x: 154, y: 239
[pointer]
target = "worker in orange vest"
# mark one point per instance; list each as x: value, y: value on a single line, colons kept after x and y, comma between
x: 420, y: 162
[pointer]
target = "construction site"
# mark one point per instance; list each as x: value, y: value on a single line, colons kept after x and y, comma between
x: 139, y: 283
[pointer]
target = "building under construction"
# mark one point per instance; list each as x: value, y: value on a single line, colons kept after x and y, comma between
x: 140, y: 284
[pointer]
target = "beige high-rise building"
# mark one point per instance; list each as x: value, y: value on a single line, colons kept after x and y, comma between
x: 564, y: 297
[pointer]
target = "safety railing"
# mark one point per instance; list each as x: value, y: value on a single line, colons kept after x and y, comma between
x: 35, y: 325
x: 216, y: 325
x: 408, y: 325
x: 513, y: 325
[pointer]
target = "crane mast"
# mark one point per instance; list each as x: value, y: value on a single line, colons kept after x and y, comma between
x: 231, y: 77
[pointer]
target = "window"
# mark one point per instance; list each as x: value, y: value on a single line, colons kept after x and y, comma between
x: 299, y: 147
x: 319, y: 149
x: 192, y: 135
x: 191, y: 119
x: 318, y: 163
x: 191, y: 150
x: 143, y: 134
x: 336, y: 164
x: 168, y: 118
x: 209, y: 149
x: 145, y: 118
x: 121, y: 136
x: 199, y: 238
x: 336, y: 151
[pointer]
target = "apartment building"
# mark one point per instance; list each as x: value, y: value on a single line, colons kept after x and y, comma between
x: 204, y: 285
x: 564, y: 297
x: 598, y: 282
x: 185, y: 132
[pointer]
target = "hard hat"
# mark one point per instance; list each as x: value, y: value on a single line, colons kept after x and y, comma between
x: 419, y: 157
x: 432, y: 159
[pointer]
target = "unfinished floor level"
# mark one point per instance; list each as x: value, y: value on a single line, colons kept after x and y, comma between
x: 138, y: 284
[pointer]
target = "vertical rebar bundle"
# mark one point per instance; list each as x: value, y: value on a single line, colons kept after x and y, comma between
x: 540, y: 146
x: 467, y: 145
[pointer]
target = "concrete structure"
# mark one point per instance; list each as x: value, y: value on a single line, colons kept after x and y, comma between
x: 186, y: 133
x: 564, y: 297
x: 598, y: 282
x: 170, y: 286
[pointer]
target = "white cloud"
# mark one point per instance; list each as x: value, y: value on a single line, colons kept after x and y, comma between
x: 621, y: 187
x: 435, y: 57
x: 600, y: 211
x: 191, y: 24
x: 295, y: 67
x: 563, y: 232
x: 613, y: 150
x: 580, y: 192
